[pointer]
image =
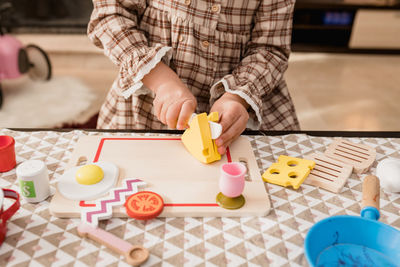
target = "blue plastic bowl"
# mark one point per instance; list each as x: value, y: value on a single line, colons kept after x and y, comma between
x: 353, y: 241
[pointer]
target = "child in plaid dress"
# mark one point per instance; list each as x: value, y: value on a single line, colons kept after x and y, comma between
x: 177, y: 57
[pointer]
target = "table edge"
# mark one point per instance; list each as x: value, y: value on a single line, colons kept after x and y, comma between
x: 384, y: 134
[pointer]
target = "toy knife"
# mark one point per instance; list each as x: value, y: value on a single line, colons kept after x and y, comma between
x: 215, y: 128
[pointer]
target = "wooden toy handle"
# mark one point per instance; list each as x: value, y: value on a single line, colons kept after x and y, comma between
x: 371, y: 189
x: 134, y: 255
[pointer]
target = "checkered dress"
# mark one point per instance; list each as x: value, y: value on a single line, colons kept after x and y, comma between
x: 214, y: 46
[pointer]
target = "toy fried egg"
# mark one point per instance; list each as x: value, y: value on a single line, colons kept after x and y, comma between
x: 89, y: 181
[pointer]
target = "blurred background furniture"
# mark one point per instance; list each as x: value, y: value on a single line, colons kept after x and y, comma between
x: 347, y: 25
x: 343, y: 72
x: 321, y: 25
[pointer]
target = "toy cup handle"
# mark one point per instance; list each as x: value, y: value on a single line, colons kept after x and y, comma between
x: 8, y: 193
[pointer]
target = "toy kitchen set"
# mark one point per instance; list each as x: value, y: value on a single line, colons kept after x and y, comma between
x: 149, y: 177
x: 123, y: 198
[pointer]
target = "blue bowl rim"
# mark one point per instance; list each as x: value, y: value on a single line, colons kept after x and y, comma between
x: 307, y: 240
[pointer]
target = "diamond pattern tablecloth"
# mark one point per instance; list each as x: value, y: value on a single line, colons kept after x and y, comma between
x: 35, y: 238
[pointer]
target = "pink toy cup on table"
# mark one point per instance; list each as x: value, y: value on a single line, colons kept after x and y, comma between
x: 7, y: 153
x: 231, y: 182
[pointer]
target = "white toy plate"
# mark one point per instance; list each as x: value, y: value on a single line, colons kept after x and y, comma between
x: 71, y: 189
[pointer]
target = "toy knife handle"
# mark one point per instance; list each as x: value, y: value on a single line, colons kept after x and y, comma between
x: 370, y: 189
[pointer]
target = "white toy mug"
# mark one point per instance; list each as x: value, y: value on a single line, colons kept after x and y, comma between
x: 34, y: 180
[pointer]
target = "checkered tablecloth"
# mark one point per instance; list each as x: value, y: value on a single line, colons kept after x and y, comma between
x: 36, y: 238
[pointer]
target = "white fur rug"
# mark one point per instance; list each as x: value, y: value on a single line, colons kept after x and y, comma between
x: 35, y: 104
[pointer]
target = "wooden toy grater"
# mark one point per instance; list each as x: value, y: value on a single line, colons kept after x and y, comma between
x: 360, y: 156
x: 328, y: 173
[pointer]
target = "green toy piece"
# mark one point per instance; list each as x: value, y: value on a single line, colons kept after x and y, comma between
x: 231, y: 203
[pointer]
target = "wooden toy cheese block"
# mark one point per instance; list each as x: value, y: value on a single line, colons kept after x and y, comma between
x: 197, y: 138
x: 187, y: 186
x: 288, y: 171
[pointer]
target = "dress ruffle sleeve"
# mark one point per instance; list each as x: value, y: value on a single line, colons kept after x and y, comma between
x: 113, y: 27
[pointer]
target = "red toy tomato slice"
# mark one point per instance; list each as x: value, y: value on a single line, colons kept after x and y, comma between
x: 144, y: 205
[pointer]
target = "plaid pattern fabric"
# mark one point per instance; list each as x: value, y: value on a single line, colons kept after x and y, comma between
x: 214, y: 46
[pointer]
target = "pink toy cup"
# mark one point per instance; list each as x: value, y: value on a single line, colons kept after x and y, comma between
x: 7, y: 153
x: 231, y: 182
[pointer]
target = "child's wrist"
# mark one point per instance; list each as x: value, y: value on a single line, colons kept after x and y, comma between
x: 169, y: 86
x: 158, y: 77
x: 236, y: 98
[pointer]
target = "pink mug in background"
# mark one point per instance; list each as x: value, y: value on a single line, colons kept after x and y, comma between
x: 231, y: 182
x: 7, y: 153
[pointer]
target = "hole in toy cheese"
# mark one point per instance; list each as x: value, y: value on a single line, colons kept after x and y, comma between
x: 292, y: 163
x: 274, y: 171
x: 89, y: 174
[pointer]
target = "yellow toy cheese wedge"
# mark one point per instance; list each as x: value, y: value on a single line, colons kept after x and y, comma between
x: 197, y: 139
x: 288, y: 171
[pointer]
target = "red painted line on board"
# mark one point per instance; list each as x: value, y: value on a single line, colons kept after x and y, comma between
x: 191, y: 205
x: 84, y: 204
x: 97, y: 156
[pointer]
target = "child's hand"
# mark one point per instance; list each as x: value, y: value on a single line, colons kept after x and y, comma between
x: 233, y: 117
x: 174, y: 104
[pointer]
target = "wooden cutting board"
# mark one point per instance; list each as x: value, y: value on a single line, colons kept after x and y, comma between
x: 188, y: 187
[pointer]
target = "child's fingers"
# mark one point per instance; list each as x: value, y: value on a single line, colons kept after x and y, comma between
x: 172, y: 114
x: 237, y: 126
x: 221, y: 150
x: 226, y: 120
x: 186, y: 111
x: 157, y: 108
x: 163, y: 113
